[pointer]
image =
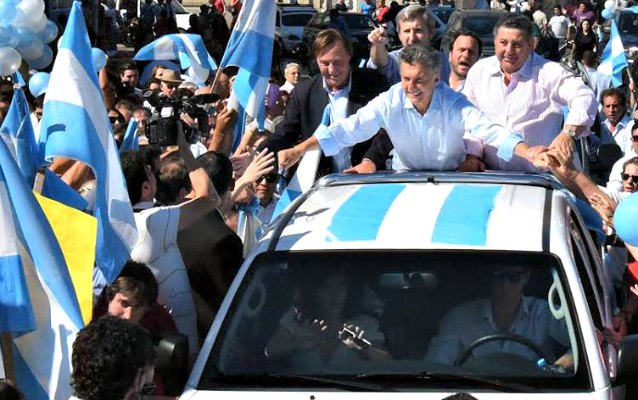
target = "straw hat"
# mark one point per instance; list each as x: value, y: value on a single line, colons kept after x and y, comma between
x: 171, y: 76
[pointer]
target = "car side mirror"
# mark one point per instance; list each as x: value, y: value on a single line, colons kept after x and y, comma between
x: 628, y: 359
x: 172, y: 353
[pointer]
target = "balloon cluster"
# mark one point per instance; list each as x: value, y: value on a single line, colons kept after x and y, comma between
x: 626, y: 219
x: 25, y: 33
x: 610, y: 9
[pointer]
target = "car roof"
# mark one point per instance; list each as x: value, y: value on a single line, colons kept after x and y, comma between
x: 419, y: 211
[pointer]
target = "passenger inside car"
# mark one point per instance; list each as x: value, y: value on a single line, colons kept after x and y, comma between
x: 328, y: 325
x: 525, y: 325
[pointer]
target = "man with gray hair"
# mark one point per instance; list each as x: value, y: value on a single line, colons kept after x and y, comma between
x: 425, y: 120
x: 414, y: 25
x: 291, y: 73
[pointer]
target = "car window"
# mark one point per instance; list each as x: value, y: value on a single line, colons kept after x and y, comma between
x: 483, y: 26
x: 296, y: 19
x: 628, y: 23
x: 443, y: 13
x: 277, y: 19
x: 358, y: 21
x: 420, y: 312
x: 178, y: 8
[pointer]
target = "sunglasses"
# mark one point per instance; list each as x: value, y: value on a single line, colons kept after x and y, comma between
x: 634, y: 178
x: 116, y: 119
x: 511, y: 277
x: 634, y: 138
x: 270, y: 178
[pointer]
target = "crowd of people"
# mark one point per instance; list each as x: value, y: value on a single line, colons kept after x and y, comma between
x: 414, y: 108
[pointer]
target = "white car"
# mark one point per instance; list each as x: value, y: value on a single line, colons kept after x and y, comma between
x: 290, y: 21
x: 182, y: 15
x: 390, y: 284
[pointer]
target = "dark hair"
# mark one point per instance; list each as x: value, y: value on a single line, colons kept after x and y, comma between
x: 8, y: 390
x: 107, y: 355
x: 219, y: 170
x: 519, y: 22
x: 172, y: 178
x: 126, y: 66
x: 126, y: 104
x: 151, y: 156
x: 133, y: 167
x: 151, y: 81
x: 588, y: 58
x: 615, y: 92
x: 631, y: 161
x: 137, y: 282
x: 328, y: 38
x: 466, y: 32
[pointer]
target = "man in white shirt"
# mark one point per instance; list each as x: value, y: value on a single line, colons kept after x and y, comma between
x: 425, y: 120
x: 597, y: 81
x: 617, y: 126
x: 616, y: 183
x: 526, y: 93
x: 291, y: 73
x: 158, y: 228
x: 558, y: 25
x: 465, y: 50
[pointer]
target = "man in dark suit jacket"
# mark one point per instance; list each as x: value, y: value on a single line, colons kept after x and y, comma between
x: 211, y: 251
x: 309, y: 98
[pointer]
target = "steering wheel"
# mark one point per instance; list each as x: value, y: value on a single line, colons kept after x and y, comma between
x: 500, y: 337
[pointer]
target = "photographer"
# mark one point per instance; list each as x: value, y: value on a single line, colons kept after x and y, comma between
x: 158, y: 228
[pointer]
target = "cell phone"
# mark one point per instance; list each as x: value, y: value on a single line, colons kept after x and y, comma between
x: 348, y: 334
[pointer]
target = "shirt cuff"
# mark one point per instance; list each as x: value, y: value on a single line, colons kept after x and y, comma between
x: 328, y: 144
x: 578, y: 117
x: 506, y: 149
x: 474, y: 147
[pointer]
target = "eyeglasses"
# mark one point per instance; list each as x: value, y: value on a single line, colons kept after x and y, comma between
x: 270, y: 178
x: 511, y: 277
x: 634, y: 178
x: 116, y: 119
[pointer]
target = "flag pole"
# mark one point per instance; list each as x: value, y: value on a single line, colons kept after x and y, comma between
x: 6, y: 345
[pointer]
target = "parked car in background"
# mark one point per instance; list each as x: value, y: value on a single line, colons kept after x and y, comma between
x: 482, y: 22
x: 290, y: 22
x: 627, y: 22
x: 182, y: 15
x: 440, y: 16
x: 359, y: 26
x: 442, y: 12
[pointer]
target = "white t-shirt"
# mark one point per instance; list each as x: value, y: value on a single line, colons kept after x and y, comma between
x: 157, y: 247
x: 559, y: 24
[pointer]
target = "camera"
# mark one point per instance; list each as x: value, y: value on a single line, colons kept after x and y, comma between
x: 164, y: 124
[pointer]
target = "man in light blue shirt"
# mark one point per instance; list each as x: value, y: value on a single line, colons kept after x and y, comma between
x: 414, y: 25
x: 505, y: 311
x: 431, y: 126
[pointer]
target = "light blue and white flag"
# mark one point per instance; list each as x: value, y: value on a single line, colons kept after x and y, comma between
x: 75, y: 125
x: 130, y: 141
x: 250, y: 49
x: 188, y: 48
x: 45, y: 314
x: 613, y: 59
x: 17, y: 132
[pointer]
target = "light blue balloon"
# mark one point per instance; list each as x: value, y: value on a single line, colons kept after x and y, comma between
x: 626, y: 219
x: 49, y: 33
x: 9, y: 36
x: 38, y: 83
x: 25, y: 37
x: 44, y: 60
x: 606, y: 14
x: 7, y: 11
x: 99, y: 58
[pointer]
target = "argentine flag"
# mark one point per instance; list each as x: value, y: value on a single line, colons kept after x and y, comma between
x: 613, y: 59
x: 250, y: 49
x: 75, y: 125
x: 38, y: 304
x: 188, y: 48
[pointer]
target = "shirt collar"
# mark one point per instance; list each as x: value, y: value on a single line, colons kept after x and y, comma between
x: 344, y: 90
x: 525, y: 70
x: 523, y: 311
x: 143, y: 205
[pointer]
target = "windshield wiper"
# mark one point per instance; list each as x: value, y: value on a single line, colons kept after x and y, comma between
x: 289, y: 380
x: 465, y: 380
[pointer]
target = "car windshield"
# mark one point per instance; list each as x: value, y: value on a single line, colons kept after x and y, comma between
x: 178, y: 8
x: 483, y: 26
x: 399, y: 318
x: 296, y: 19
x: 358, y: 21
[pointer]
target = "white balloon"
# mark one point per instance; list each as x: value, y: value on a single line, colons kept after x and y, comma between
x: 31, y: 8
x: 10, y: 61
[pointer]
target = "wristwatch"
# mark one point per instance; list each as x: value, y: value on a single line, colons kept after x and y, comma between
x: 571, y: 131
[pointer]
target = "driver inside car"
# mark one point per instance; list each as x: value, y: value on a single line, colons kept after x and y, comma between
x: 506, y: 311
